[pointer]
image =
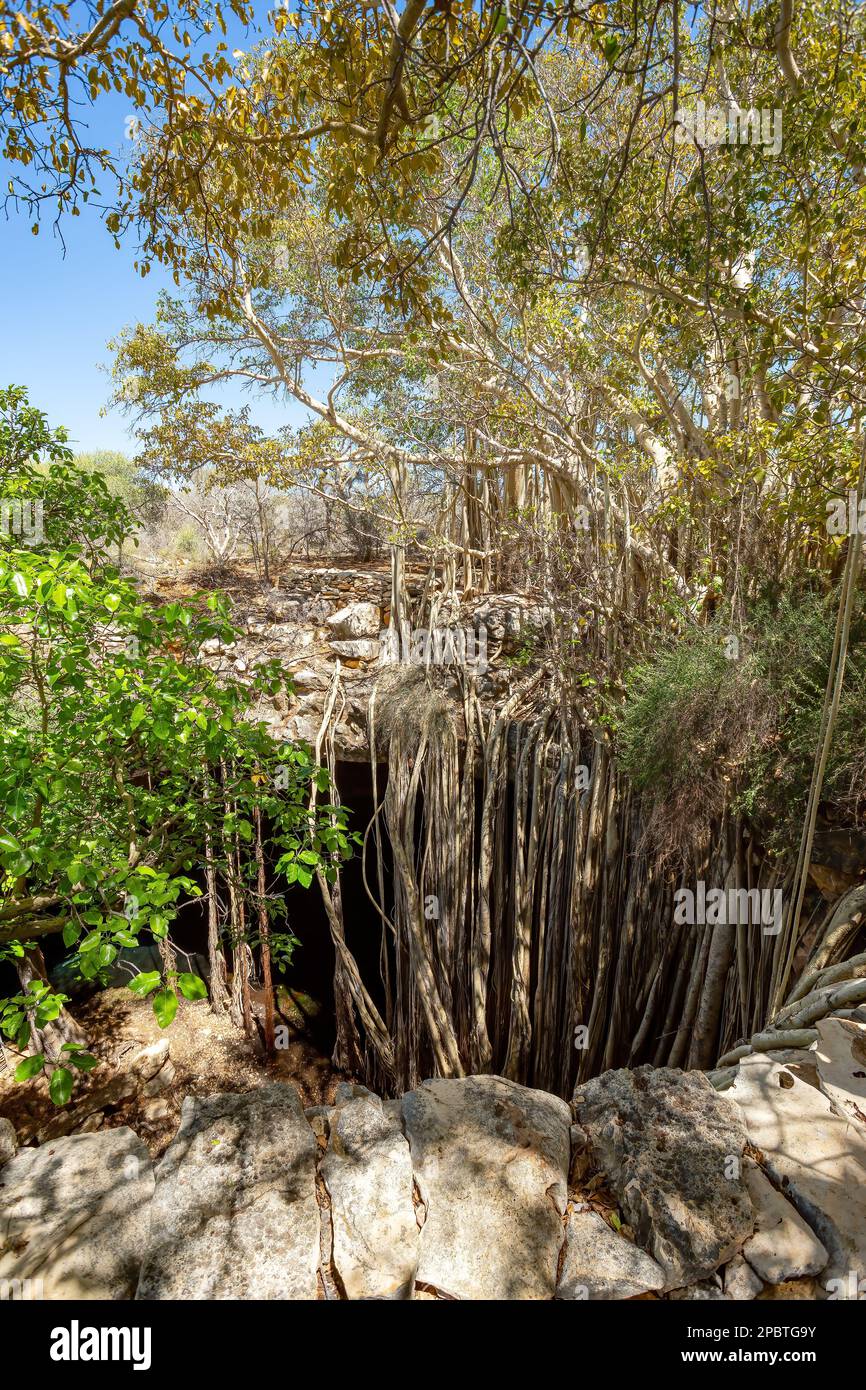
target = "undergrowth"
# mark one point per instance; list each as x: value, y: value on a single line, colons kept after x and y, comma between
x: 721, y: 720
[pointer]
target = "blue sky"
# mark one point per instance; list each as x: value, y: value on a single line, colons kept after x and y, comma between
x: 58, y: 312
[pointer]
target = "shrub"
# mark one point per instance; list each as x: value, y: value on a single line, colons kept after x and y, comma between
x: 703, y: 728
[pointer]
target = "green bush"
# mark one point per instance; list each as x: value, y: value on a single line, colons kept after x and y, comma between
x: 702, y: 729
x: 144, y: 498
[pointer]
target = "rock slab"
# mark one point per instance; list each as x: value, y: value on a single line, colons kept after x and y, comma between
x: 840, y: 1054
x: 601, y: 1264
x: 8, y: 1140
x: 235, y: 1213
x: 671, y: 1148
x: 368, y: 1174
x: 74, y: 1213
x: 356, y: 620
x: 491, y: 1163
x: 814, y: 1156
x: 783, y: 1246
x: 741, y: 1281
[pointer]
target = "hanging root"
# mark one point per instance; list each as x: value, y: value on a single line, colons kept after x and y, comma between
x: 838, y: 987
x: 531, y: 930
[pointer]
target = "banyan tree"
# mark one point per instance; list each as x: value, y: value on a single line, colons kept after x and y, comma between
x: 562, y: 346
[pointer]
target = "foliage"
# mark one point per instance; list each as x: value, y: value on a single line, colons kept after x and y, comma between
x: 717, y: 719
x: 50, y: 68
x: 113, y: 737
x: 144, y: 498
x: 653, y: 332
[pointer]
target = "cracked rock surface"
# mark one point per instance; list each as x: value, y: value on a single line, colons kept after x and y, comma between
x: 235, y: 1213
x: 460, y: 1190
x: 74, y: 1214
x: 671, y: 1148
x: 491, y: 1161
x: 367, y: 1171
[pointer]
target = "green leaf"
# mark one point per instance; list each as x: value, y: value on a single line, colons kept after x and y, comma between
x: 191, y: 986
x: 165, y: 1007
x: 137, y: 715
x: 143, y: 984
x: 48, y: 1010
x: 29, y: 1067
x: 84, y: 1061
x: 60, y: 1085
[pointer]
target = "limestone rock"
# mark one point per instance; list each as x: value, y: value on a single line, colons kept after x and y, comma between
x: 319, y: 1119
x: 163, y: 1080
x: 841, y: 1059
x: 800, y: 1061
x: 146, y: 1063
x: 91, y: 1124
x: 8, y: 1140
x: 76, y: 1213
x: 309, y: 678
x: 156, y: 1110
x: 599, y: 1263
x: 368, y: 1173
x: 741, y: 1281
x: 491, y: 1163
x: 235, y: 1212
x: 359, y: 649
x: 349, y: 1090
x: 668, y: 1144
x: 783, y: 1246
x: 355, y: 620
x: 813, y: 1155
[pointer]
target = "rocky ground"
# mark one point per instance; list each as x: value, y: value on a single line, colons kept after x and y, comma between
x: 201, y: 1053
x: 312, y: 617
x: 651, y: 1184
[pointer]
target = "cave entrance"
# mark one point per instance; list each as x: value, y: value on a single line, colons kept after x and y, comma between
x: 311, y: 973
